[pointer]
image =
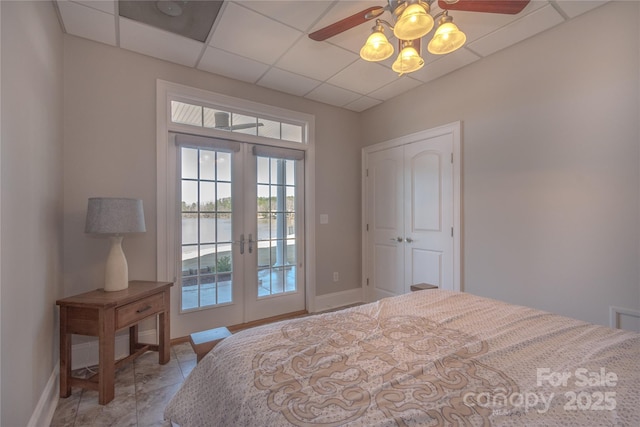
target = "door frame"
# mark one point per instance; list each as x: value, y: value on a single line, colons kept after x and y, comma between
x: 455, y: 130
x: 182, y: 324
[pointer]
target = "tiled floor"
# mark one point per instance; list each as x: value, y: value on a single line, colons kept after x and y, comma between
x: 143, y: 388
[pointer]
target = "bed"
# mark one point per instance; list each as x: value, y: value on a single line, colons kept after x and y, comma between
x: 422, y: 359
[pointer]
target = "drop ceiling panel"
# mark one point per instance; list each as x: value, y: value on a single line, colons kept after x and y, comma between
x: 527, y: 26
x: 229, y: 65
x: 574, y: 8
x: 395, y: 88
x: 252, y: 35
x: 363, y: 77
x: 318, y: 61
x: 287, y: 82
x: 103, y: 5
x: 362, y: 104
x: 332, y: 95
x: 150, y: 41
x: 87, y: 22
x: 290, y: 13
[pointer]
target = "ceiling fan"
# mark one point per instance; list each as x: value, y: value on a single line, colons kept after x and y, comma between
x: 412, y: 21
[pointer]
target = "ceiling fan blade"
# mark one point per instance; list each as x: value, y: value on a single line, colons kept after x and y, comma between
x: 508, y: 7
x: 346, y: 23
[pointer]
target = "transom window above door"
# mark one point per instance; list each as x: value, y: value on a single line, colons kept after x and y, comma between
x: 220, y: 119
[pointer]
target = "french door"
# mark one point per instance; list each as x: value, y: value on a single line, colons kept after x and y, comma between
x: 242, y: 233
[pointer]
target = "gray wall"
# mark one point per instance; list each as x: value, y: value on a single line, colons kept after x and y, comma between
x: 550, y: 163
x: 31, y: 203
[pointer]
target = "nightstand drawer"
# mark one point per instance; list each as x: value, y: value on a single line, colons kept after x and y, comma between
x: 136, y: 311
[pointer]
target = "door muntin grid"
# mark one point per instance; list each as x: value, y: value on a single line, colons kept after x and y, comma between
x: 276, y: 225
x: 206, y: 216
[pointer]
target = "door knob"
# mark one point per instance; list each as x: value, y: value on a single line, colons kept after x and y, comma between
x: 396, y: 239
x: 408, y: 240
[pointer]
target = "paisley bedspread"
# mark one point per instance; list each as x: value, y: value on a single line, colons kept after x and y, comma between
x: 427, y: 358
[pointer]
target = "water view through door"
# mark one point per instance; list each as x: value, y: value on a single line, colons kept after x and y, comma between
x: 241, y: 244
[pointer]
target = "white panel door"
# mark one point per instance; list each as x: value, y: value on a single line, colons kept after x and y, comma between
x: 386, y: 222
x: 410, y: 217
x: 428, y: 213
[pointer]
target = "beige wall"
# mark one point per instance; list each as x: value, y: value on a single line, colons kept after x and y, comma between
x: 31, y: 203
x: 110, y: 150
x: 550, y: 164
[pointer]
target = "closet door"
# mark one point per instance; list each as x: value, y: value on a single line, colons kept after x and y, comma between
x: 386, y: 222
x: 428, y: 213
x: 409, y: 217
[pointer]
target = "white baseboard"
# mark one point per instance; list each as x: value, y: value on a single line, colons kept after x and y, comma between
x: 338, y: 299
x: 86, y: 354
x: 624, y: 318
x: 46, y: 407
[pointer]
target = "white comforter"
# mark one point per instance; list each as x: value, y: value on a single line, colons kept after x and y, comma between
x: 425, y: 358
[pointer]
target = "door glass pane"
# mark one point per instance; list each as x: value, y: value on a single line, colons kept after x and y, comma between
x: 206, y: 228
x: 244, y: 124
x: 291, y: 132
x: 207, y: 196
x: 223, y: 166
x: 189, y: 163
x: 276, y: 226
x: 207, y: 164
x: 223, y: 196
x: 269, y: 129
x: 186, y: 113
x: 189, y: 196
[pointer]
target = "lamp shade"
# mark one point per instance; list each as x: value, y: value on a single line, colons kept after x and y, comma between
x: 446, y: 39
x: 377, y: 47
x: 408, y: 61
x: 415, y: 22
x: 111, y: 215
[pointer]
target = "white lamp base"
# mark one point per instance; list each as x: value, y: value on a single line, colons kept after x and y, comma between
x: 116, y: 271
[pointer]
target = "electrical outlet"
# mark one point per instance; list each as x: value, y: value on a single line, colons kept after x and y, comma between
x: 336, y: 276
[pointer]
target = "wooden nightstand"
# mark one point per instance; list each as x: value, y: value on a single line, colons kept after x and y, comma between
x: 422, y: 287
x: 101, y: 314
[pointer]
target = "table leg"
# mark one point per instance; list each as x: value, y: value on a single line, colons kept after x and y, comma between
x: 164, y: 354
x: 164, y: 335
x: 65, y: 355
x: 106, y: 358
x: 133, y: 338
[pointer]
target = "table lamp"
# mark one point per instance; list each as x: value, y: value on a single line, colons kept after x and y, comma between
x: 115, y: 217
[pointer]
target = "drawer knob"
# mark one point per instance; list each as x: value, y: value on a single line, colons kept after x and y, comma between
x: 142, y: 310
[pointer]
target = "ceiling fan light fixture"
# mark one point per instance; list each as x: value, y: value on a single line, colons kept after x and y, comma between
x: 447, y: 37
x: 377, y: 47
x: 408, y: 60
x: 414, y: 22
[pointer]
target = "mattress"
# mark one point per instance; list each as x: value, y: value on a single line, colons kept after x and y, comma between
x: 426, y: 358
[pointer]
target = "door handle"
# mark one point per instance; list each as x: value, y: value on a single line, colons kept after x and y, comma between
x: 396, y: 239
x: 241, y: 244
x: 250, y: 243
x: 408, y: 240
